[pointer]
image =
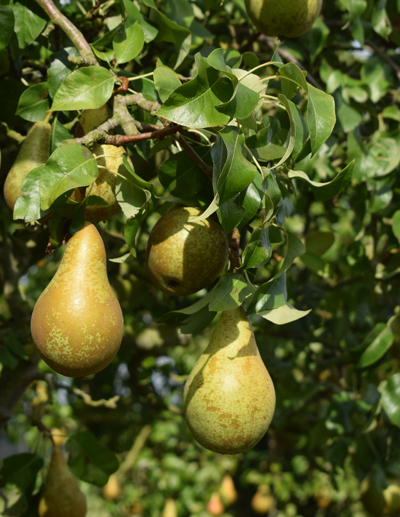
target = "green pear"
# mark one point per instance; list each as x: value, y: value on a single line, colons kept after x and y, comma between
x: 391, y: 496
x: 34, y: 151
x: 91, y: 119
x: 228, y: 491
x: 170, y: 509
x: 61, y: 496
x: 262, y: 501
x: 184, y: 256
x: 77, y: 323
x: 283, y: 18
x: 372, y: 497
x: 112, y: 489
x: 104, y: 187
x: 229, y: 398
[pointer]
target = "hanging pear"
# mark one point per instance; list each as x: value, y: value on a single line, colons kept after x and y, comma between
x: 91, y: 119
x: 170, y: 508
x: 105, y: 204
x: 229, y: 398
x: 228, y: 490
x: 77, y: 323
x: 34, y: 151
x: 61, y: 496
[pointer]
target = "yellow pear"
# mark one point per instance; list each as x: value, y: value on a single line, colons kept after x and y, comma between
x: 215, y: 506
x: 91, y: 119
x: 284, y: 18
x: 61, y: 496
x: 170, y: 509
x: 104, y: 186
x: 262, y: 501
x: 112, y: 490
x: 228, y: 490
x: 391, y: 496
x: 34, y: 151
x: 77, y: 323
x: 229, y: 398
x: 184, y: 256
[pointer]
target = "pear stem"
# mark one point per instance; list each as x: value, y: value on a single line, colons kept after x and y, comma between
x: 234, y: 250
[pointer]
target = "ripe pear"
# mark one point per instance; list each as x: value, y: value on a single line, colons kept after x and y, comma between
x: 104, y: 186
x: 229, y: 398
x: 184, y: 256
x: 262, y: 501
x: 228, y: 490
x: 170, y: 509
x: 77, y: 323
x: 372, y: 497
x: 34, y: 151
x: 391, y: 496
x: 215, y: 506
x: 61, y: 496
x: 112, y: 490
x: 91, y: 119
x: 284, y: 18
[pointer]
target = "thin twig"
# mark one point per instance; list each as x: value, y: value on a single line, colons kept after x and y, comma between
x: 126, y: 139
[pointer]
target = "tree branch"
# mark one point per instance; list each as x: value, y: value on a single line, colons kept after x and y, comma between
x: 75, y: 35
x: 126, y: 139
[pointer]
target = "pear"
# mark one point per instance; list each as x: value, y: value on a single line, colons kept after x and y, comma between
x: 77, y: 323
x: 104, y: 186
x: 183, y: 256
x: 228, y: 490
x: 170, y: 509
x: 372, y: 497
x: 284, y: 18
x: 91, y: 119
x: 229, y: 398
x: 112, y: 490
x: 215, y: 506
x: 391, y: 496
x: 34, y: 151
x: 61, y: 496
x: 262, y: 501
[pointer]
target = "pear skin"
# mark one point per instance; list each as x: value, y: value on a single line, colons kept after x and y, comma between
x: 91, y: 119
x: 61, y: 496
x: 34, y: 151
x: 228, y: 491
x: 229, y: 398
x: 170, y: 508
x: 182, y: 257
x: 112, y: 490
x: 104, y: 186
x: 215, y: 506
x: 283, y: 18
x: 262, y: 501
x: 77, y: 322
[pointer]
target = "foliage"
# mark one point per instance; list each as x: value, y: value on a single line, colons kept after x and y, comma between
x: 302, y: 164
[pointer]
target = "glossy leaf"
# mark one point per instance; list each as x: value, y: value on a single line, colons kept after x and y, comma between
x: 284, y: 314
x: 391, y: 399
x: 33, y: 104
x: 229, y: 293
x: 6, y: 25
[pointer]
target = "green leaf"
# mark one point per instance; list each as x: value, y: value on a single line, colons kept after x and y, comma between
x: 134, y: 14
x: 33, y: 104
x: 262, y: 148
x: 128, y: 42
x: 292, y: 78
x: 180, y: 175
x: 325, y: 191
x: 173, y: 33
x: 59, y: 133
x: 86, y: 88
x: 375, y: 350
x: 270, y: 295
x: 318, y: 242
x: 197, y: 322
x: 193, y: 104
x: 28, y: 25
x: 60, y: 68
x: 129, y: 196
x: 284, y: 314
x: 391, y: 399
x: 6, y: 25
x: 21, y: 470
x: 67, y: 168
x: 230, y: 215
x: 237, y: 172
x: 137, y: 180
x: 396, y: 224
x: 27, y: 206
x: 91, y: 461
x: 259, y: 249
x: 250, y: 199
x: 377, y: 75
x: 178, y: 316
x: 321, y: 116
x: 355, y: 7
x: 291, y: 111
x: 166, y: 81
x: 380, y: 20
x: 229, y: 293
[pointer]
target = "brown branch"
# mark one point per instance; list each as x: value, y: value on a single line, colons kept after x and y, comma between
x: 194, y: 156
x: 124, y: 85
x: 126, y: 139
x: 234, y: 250
x: 290, y: 57
x: 75, y: 35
